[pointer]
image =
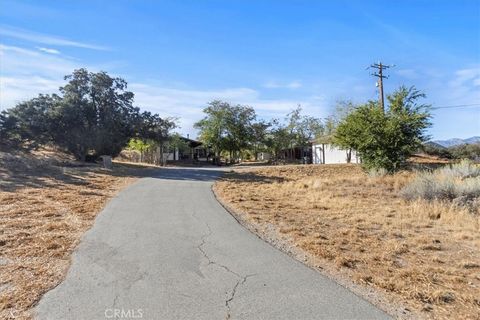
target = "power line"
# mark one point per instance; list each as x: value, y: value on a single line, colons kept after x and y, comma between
x: 458, y: 106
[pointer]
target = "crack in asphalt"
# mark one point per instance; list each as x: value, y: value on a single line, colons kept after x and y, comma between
x: 205, y: 255
x: 114, y: 301
x: 234, y: 291
x: 128, y: 286
x: 241, y: 279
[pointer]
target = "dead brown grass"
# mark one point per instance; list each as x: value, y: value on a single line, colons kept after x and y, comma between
x: 47, y: 202
x: 426, y: 158
x: 425, y: 256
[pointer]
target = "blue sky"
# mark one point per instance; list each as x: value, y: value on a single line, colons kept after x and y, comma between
x: 272, y: 55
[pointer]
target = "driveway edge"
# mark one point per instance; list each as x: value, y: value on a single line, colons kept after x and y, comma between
x: 269, y: 236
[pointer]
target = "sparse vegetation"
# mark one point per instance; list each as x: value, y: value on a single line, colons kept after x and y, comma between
x: 47, y: 202
x: 458, y: 183
x: 464, y: 151
x: 422, y: 254
x: 377, y: 172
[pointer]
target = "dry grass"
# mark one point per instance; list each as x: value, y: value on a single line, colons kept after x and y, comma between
x: 428, y: 159
x: 46, y: 205
x: 425, y: 256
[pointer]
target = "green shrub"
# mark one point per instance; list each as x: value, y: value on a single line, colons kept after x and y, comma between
x: 386, y: 139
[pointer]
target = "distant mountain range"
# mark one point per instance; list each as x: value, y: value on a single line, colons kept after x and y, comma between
x: 455, y: 141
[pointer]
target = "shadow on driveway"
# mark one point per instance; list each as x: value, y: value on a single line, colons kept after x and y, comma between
x: 190, y: 174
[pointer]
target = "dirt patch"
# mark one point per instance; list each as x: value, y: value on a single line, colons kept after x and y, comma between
x: 47, y: 202
x: 415, y: 259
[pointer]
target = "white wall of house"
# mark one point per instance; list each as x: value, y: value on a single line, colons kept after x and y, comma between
x: 170, y: 156
x: 264, y: 156
x: 323, y: 153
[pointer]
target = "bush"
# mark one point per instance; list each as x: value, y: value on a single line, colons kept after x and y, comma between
x: 463, y: 169
x: 386, y: 139
x: 466, y: 151
x: 428, y: 186
x: 459, y: 183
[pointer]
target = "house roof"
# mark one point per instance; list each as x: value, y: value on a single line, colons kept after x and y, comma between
x: 192, y: 143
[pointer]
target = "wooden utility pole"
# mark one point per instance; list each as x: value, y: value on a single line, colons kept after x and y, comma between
x: 379, y: 74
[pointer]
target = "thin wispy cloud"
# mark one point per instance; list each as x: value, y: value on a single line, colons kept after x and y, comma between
x: 48, y: 50
x: 27, y: 72
x: 187, y: 104
x: 464, y: 88
x: 176, y: 66
x: 279, y: 85
x: 35, y: 37
x: 468, y: 76
x: 20, y: 61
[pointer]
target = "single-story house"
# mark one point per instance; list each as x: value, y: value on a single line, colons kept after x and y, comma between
x: 327, y: 153
x: 297, y: 154
x: 264, y: 156
x: 196, y: 151
x: 172, y: 155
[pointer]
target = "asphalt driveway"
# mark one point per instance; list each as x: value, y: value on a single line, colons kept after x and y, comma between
x: 164, y: 248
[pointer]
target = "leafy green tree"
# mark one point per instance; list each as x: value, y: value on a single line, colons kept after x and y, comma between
x: 226, y: 128
x: 259, y: 137
x: 155, y: 132
x: 176, y: 142
x: 10, y: 135
x: 213, y: 126
x: 342, y: 109
x: 239, y: 130
x: 28, y: 124
x: 142, y: 146
x: 386, y: 140
x: 95, y: 116
x: 302, y: 129
x: 278, y: 139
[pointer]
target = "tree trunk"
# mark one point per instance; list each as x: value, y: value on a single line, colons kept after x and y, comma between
x: 81, y: 154
x: 162, y: 160
x: 349, y: 155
